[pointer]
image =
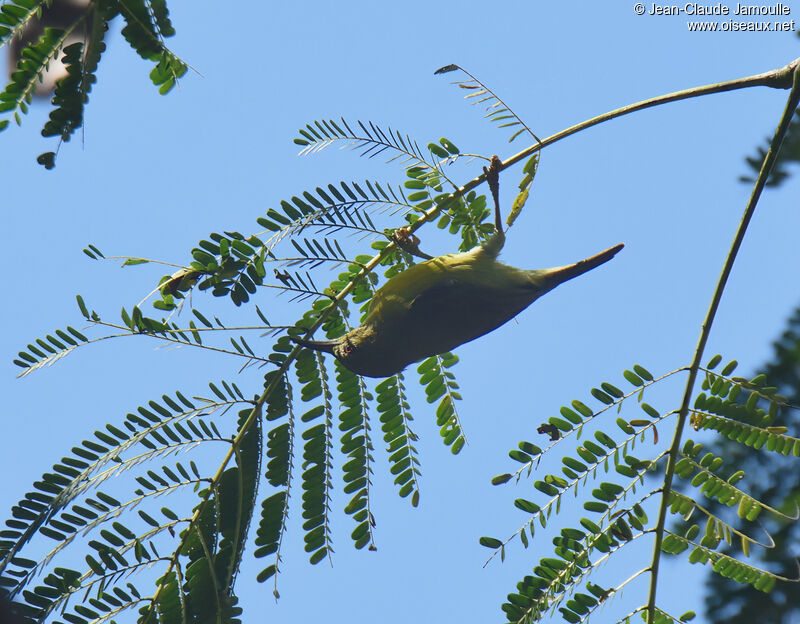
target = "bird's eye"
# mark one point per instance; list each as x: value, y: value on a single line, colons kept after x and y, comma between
x: 348, y: 348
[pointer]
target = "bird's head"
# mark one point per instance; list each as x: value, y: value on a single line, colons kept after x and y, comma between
x: 341, y: 348
x: 357, y: 352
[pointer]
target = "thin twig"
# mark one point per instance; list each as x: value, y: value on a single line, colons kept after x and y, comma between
x: 766, y: 167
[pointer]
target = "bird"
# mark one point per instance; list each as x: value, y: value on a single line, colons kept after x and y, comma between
x: 437, y: 305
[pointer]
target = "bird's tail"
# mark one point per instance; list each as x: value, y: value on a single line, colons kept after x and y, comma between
x: 557, y: 275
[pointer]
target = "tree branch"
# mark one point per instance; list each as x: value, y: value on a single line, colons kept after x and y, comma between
x: 766, y: 167
x: 780, y: 78
x: 777, y: 79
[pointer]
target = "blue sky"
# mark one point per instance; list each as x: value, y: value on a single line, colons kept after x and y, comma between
x: 151, y: 175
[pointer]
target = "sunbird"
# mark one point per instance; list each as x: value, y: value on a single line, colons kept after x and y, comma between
x: 437, y: 305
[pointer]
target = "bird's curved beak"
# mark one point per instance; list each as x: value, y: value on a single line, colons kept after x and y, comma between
x: 325, y: 346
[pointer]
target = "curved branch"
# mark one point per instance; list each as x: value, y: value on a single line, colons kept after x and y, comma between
x: 776, y: 79
x: 793, y: 71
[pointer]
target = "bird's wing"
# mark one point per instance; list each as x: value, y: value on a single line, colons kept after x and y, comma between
x: 477, y: 308
x: 453, y: 295
x: 442, y: 296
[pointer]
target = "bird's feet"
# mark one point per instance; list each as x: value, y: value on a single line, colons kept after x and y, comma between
x: 493, y: 179
x: 407, y: 241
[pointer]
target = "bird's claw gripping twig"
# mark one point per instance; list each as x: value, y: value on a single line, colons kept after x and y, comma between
x: 409, y: 242
x: 493, y: 179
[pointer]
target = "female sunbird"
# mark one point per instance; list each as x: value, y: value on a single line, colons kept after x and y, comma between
x: 437, y: 305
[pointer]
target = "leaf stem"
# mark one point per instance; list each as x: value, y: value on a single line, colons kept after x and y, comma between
x: 766, y: 167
